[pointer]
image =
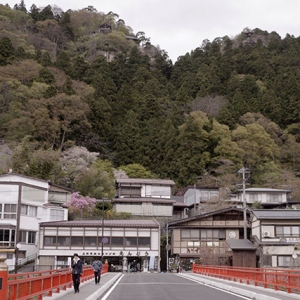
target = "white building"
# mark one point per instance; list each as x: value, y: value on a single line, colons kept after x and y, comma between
x: 24, y: 203
x: 195, y: 194
x: 122, y: 241
x: 144, y: 197
x: 266, y: 197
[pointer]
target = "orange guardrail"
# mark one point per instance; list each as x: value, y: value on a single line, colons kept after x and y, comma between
x: 278, y: 279
x: 36, y: 285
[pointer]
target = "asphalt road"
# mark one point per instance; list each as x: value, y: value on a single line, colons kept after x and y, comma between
x: 148, y: 286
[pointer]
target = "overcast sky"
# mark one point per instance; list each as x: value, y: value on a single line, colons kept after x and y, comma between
x: 180, y: 26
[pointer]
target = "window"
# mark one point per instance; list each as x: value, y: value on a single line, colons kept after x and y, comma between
x: 76, y: 241
x: 130, y: 191
x: 24, y: 210
x: 22, y: 236
x: 62, y: 261
x: 144, y: 241
x: 196, y: 234
x: 193, y: 247
x: 10, y: 211
x: 32, y: 211
x: 7, y: 237
x: 130, y: 241
x: 90, y: 241
x: 56, y: 214
x: 50, y: 241
x: 28, y: 210
x: 284, y: 261
x: 274, y: 198
x: 287, y: 231
x: 63, y: 241
x: 213, y: 234
x: 190, y: 234
x: 31, y: 237
x: 253, y: 197
x: 116, y: 241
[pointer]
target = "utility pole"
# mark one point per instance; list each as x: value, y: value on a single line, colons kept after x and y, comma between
x: 167, y: 247
x: 244, y: 171
x: 102, y: 229
x: 17, y: 233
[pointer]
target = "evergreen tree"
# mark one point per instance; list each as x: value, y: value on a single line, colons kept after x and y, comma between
x: 6, y: 51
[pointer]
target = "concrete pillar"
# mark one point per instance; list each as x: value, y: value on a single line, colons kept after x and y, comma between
x: 124, y: 264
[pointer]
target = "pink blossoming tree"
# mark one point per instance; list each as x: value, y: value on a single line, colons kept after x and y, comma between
x: 80, y: 207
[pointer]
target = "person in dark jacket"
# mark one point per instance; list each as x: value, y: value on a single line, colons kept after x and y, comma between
x: 76, y: 272
x: 97, y: 267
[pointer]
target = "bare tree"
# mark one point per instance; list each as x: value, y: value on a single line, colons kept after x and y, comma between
x: 209, y: 104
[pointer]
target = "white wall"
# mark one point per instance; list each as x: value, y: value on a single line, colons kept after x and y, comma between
x: 145, y: 209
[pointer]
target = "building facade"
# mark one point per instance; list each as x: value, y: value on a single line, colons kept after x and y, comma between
x: 144, y: 197
x: 24, y: 203
x: 118, y: 242
x: 265, y: 197
x: 276, y: 233
x: 203, y: 238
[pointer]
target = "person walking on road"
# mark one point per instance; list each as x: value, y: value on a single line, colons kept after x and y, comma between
x: 76, y: 272
x: 97, y: 267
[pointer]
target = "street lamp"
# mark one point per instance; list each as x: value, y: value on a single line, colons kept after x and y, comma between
x: 244, y: 171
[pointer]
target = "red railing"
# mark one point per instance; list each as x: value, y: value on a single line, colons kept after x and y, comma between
x: 277, y: 279
x: 35, y: 285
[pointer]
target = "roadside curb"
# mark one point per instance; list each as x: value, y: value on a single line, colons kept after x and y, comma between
x: 104, y: 288
x: 243, y: 291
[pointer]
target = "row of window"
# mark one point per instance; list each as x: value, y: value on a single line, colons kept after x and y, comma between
x: 94, y: 241
x: 269, y: 197
x: 9, y: 211
x: 212, y: 234
x: 220, y: 234
x: 287, y: 231
x: 7, y: 237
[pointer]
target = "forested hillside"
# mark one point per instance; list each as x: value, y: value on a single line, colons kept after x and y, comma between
x: 230, y: 103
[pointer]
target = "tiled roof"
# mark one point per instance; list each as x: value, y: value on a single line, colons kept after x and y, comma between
x: 21, y: 175
x: 147, y: 200
x: 276, y: 214
x: 61, y: 186
x: 204, y: 215
x: 240, y: 245
x: 145, y: 181
x: 107, y: 223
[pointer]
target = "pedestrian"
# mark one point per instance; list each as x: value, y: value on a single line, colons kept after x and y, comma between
x: 133, y: 266
x: 76, y: 272
x: 97, y: 267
